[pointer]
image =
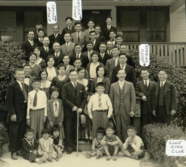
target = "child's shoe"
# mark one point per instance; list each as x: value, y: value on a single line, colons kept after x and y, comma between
x: 108, y: 157
x: 114, y: 157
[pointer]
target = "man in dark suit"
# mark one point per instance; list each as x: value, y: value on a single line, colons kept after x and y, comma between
x: 55, y: 37
x: 99, y: 36
x: 68, y: 29
x: 74, y: 98
x: 122, y: 96
x: 28, y: 45
x: 165, y: 99
x: 78, y: 54
x: 58, y: 57
x: 109, y: 28
x: 16, y: 103
x: 145, y: 89
x: 103, y: 56
x: 95, y: 42
x: 88, y: 53
x: 45, y: 50
x: 39, y: 38
x: 129, y: 71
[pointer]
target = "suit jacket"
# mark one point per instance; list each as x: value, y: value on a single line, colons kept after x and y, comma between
x: 84, y: 60
x: 141, y: 90
x: 101, y: 38
x: 73, y: 97
x: 170, y: 97
x: 58, y: 59
x: 15, y: 101
x: 45, y: 54
x: 110, y: 64
x: 65, y: 30
x: 68, y: 51
x: 129, y: 100
x: 104, y: 59
x: 28, y: 48
x: 50, y: 111
x: 53, y: 39
x: 106, y: 31
x: 130, y: 74
x: 82, y: 38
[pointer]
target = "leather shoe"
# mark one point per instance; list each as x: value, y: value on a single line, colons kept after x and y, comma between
x: 14, y: 156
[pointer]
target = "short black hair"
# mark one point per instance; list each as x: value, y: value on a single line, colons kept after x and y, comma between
x: 100, y: 130
x: 69, y: 18
x: 132, y: 127
x: 29, y: 130
x: 45, y: 130
x: 44, y: 70
x: 100, y: 84
x: 77, y: 22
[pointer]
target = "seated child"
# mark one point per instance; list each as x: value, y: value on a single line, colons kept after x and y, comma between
x: 55, y: 112
x: 133, y: 146
x: 57, y: 141
x: 111, y: 143
x: 29, y: 148
x: 46, y: 146
x: 97, y: 148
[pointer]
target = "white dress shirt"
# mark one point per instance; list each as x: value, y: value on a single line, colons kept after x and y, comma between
x: 105, y: 104
x: 41, y: 102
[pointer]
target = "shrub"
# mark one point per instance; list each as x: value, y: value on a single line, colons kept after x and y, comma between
x: 3, y: 138
x: 176, y: 75
x: 156, y: 135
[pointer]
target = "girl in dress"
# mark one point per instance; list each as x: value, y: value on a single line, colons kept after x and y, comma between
x: 101, y: 73
x: 45, y: 84
x: 66, y: 61
x: 51, y: 70
x: 60, y: 79
x: 35, y: 69
x: 39, y: 60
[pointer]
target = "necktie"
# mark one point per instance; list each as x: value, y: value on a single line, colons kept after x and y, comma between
x: 99, y: 101
x: 78, y: 37
x: 35, y: 100
x: 24, y: 92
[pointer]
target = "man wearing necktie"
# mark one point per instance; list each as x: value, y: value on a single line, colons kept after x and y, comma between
x: 145, y: 89
x: 165, y: 99
x: 74, y: 98
x: 16, y: 103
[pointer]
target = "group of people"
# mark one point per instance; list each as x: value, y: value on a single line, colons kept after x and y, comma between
x: 85, y: 76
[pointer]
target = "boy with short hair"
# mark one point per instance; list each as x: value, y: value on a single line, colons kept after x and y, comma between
x: 99, y: 108
x: 36, y: 109
x: 133, y: 146
x: 111, y: 143
x: 29, y: 148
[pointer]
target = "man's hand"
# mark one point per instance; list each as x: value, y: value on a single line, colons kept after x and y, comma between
x: 79, y: 110
x: 13, y: 118
x: 51, y: 124
x: 74, y: 108
x: 28, y: 122
x: 35, y: 152
x: 132, y: 113
x: 44, y: 119
x: 144, y: 98
x: 173, y: 112
x: 154, y: 113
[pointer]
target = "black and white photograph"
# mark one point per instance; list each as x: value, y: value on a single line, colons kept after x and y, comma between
x: 93, y: 83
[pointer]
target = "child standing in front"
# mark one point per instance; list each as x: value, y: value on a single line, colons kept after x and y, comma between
x: 36, y: 108
x: 99, y: 108
x: 56, y: 112
x: 29, y: 148
x: 133, y: 146
x: 46, y: 146
x: 97, y: 148
x: 111, y: 143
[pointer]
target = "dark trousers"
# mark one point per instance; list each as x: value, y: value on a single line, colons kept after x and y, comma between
x: 16, y: 134
x: 70, y: 131
x: 162, y: 116
x: 122, y: 122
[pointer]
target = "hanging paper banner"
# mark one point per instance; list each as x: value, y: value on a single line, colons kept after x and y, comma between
x: 77, y: 9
